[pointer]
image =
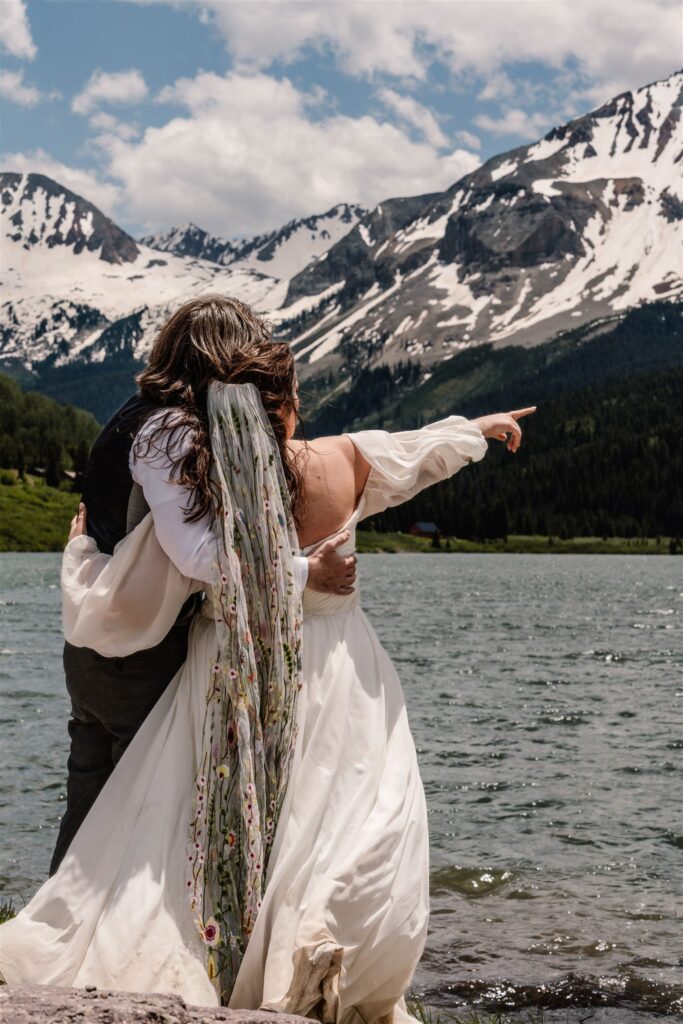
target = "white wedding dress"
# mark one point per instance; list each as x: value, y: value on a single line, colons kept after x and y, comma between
x: 344, y: 917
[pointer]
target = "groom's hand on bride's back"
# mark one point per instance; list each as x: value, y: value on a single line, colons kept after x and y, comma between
x: 328, y: 571
x: 79, y: 524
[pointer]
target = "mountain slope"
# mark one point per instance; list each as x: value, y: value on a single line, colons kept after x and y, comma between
x: 646, y: 340
x: 283, y: 253
x: 81, y: 291
x: 580, y: 225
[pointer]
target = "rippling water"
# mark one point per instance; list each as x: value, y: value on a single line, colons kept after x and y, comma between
x: 545, y: 695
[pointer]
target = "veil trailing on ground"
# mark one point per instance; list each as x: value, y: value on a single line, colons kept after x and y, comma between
x: 250, y: 721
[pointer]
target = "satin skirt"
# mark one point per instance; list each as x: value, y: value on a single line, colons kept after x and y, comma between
x: 344, y: 917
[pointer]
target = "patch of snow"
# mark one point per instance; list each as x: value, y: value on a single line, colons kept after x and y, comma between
x: 304, y: 304
x: 329, y: 342
x: 507, y: 167
x: 544, y: 149
x: 485, y: 203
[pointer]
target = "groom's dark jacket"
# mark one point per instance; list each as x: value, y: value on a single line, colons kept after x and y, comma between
x: 111, y: 697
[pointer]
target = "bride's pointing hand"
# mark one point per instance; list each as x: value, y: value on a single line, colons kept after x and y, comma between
x: 503, y: 426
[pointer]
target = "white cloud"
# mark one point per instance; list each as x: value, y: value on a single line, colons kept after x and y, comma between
x: 255, y: 151
x: 416, y: 115
x: 15, y: 33
x: 106, y: 123
x: 515, y: 122
x: 588, y: 52
x: 618, y: 45
x: 468, y: 139
x: 14, y: 89
x: 110, y: 87
x: 103, y: 194
x: 498, y: 86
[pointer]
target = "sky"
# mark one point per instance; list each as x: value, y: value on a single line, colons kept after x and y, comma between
x: 239, y: 115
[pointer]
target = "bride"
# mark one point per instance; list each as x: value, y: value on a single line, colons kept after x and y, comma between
x: 263, y: 841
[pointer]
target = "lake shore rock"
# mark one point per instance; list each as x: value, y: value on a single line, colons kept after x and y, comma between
x: 43, y: 1004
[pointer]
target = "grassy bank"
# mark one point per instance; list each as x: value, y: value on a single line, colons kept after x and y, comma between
x: 33, y: 516
x: 370, y: 542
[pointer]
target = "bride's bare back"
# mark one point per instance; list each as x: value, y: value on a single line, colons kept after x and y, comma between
x: 334, y: 474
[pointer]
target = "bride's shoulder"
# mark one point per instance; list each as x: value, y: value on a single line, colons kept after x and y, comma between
x: 334, y: 460
x: 337, y: 446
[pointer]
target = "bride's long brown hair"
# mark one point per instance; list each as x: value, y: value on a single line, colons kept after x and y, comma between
x: 216, y: 338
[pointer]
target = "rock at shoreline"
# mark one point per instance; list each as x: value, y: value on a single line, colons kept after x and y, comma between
x: 45, y: 1005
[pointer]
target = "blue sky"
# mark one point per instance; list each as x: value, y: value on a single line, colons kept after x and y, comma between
x: 240, y: 114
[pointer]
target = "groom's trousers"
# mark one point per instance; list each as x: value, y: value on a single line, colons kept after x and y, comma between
x: 110, y: 699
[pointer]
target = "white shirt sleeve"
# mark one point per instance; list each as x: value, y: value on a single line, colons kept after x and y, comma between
x: 301, y: 569
x: 191, y: 546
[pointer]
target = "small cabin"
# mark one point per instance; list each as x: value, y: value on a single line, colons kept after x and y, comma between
x: 430, y: 530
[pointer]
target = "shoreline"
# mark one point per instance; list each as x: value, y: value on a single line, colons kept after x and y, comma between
x: 370, y: 542
x: 36, y: 518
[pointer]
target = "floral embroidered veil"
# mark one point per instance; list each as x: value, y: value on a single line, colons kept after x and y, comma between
x: 250, y: 719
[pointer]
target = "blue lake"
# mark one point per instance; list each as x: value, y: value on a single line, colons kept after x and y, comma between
x: 545, y: 693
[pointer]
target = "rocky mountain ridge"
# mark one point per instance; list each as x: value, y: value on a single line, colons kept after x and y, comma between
x: 581, y: 225
x: 38, y: 211
x: 284, y: 252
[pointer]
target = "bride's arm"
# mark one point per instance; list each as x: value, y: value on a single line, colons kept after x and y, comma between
x: 392, y: 468
x: 121, y: 603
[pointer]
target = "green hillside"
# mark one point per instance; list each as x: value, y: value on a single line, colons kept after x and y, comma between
x: 33, y: 516
x: 44, y: 449
x: 38, y: 434
x: 603, y: 461
x: 486, y: 379
x: 601, y: 458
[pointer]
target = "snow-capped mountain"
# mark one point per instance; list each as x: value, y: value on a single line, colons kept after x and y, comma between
x: 79, y: 289
x: 583, y: 224
x: 580, y: 225
x: 41, y: 213
x: 189, y: 240
x: 282, y: 253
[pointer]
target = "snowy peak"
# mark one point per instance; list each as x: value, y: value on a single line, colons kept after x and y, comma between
x: 281, y: 253
x: 580, y: 225
x: 38, y: 212
x: 644, y: 120
x: 352, y: 259
x: 637, y: 134
x: 287, y: 251
x: 189, y: 240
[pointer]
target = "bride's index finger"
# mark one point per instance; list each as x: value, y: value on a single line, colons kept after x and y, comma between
x: 518, y: 413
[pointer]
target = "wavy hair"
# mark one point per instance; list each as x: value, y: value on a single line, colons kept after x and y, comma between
x: 215, y: 338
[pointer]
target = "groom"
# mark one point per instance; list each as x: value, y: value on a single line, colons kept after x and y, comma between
x: 111, y: 697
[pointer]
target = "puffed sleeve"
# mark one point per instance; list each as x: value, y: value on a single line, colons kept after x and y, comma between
x: 404, y: 463
x: 125, y: 602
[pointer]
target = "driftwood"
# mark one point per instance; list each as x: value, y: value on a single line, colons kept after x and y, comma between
x: 45, y: 1005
